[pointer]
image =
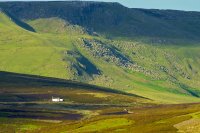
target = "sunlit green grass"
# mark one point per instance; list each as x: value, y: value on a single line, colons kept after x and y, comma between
x: 104, y: 124
x: 43, y: 53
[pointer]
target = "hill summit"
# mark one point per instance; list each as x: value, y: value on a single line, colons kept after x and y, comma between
x: 114, y: 20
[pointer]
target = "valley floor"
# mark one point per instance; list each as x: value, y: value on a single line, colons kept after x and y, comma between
x: 26, y: 107
x: 146, y: 119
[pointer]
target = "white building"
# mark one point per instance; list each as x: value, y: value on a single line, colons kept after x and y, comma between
x: 57, y: 99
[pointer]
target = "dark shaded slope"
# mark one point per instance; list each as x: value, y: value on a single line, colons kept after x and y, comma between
x: 17, y: 21
x: 115, y: 20
x: 8, y: 79
x: 83, y: 65
x: 20, y: 23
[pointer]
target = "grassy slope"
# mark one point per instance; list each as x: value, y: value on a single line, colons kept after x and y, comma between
x: 31, y: 53
x: 44, y: 53
x: 55, y: 25
x: 138, y: 83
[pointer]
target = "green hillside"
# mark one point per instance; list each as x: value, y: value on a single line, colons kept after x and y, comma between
x: 164, y: 73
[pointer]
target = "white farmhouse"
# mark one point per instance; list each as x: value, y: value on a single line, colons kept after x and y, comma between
x: 57, y: 99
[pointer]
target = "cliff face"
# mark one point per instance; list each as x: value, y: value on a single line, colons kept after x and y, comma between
x: 115, y: 20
